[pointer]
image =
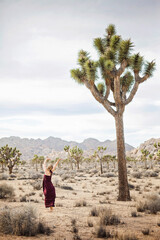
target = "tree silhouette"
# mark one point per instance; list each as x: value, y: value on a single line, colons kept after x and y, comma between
x: 120, y: 75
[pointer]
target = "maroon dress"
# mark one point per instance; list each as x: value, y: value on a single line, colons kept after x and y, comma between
x: 49, y: 191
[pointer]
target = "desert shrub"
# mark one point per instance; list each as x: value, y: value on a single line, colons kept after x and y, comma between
x: 23, y: 199
x: 145, y: 231
x: 101, y: 193
x: 152, y: 204
x: 67, y: 187
x: 64, y: 177
x: 134, y: 214
x: 137, y: 188
x: 75, y: 230
x: 150, y: 174
x: 90, y: 223
x: 137, y: 174
x: 36, y: 176
x: 107, y: 218
x: 102, y: 233
x: 81, y: 203
x: 76, y: 237
x: 154, y: 174
x: 59, y: 205
x: 141, y: 206
x: 131, y: 186
x: 108, y: 175
x: 31, y: 194
x: 125, y: 236
x: 3, y: 176
x: 73, y: 221
x: 37, y: 185
x: 56, y: 182
x: 6, y: 191
x: 158, y: 223
x: 94, y: 212
x: 20, y: 221
x: 13, y: 176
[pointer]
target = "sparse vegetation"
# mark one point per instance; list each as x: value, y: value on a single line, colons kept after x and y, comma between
x: 37, y: 185
x: 6, y: 191
x: 134, y: 214
x: 90, y: 223
x: 107, y: 218
x: 125, y: 236
x: 94, y: 212
x: 102, y: 233
x: 152, y: 204
x: 67, y: 187
x: 81, y: 203
x: 146, y: 231
x: 21, y: 221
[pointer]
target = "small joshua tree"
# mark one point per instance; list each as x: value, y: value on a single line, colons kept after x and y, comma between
x: 151, y: 160
x: 41, y: 160
x: 157, y: 147
x: 68, y: 150
x: 99, y: 153
x: 10, y: 156
x: 107, y: 159
x: 121, y: 76
x: 77, y: 155
x: 35, y: 161
x: 144, y: 156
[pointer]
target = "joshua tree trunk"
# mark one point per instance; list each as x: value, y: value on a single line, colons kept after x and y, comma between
x: 78, y: 165
x: 10, y: 169
x: 101, y: 168
x: 122, y: 169
x: 70, y: 160
x: 2, y: 167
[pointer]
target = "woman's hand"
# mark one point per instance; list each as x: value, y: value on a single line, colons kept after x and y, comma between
x: 47, y: 159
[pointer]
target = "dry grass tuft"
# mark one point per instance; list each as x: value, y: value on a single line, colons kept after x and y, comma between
x: 102, y: 233
x: 81, y: 203
x: 125, y: 236
x: 94, y: 212
x: 107, y: 218
x: 146, y: 231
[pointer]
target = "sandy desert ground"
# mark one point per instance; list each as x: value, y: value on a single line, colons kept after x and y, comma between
x: 78, y: 192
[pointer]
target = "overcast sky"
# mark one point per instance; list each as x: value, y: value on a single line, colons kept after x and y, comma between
x: 39, y: 42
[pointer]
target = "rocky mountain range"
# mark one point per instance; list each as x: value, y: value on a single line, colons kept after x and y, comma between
x: 148, y: 145
x: 50, y: 145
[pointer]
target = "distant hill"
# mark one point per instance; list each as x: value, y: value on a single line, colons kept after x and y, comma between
x: 30, y: 147
x: 147, y: 145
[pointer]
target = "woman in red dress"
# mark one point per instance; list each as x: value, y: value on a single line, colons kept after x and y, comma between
x: 48, y: 188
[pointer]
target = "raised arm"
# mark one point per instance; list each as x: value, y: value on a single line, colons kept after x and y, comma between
x: 44, y: 164
x: 54, y: 167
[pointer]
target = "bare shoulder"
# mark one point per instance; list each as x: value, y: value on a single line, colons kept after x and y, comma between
x: 47, y: 172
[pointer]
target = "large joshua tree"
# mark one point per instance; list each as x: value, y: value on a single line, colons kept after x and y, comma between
x: 121, y: 75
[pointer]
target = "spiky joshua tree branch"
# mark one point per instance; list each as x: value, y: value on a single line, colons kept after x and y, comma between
x: 120, y: 71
